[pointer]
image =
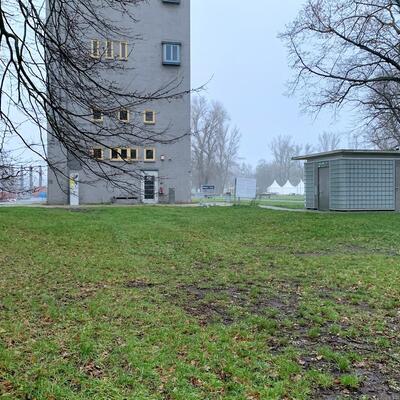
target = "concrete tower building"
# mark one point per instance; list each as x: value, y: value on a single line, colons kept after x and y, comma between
x: 160, y: 56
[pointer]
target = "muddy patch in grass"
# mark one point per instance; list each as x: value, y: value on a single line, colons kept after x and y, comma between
x: 79, y: 293
x: 376, y: 385
x: 376, y: 375
x: 227, y: 304
x: 139, y: 284
x: 204, y: 310
x: 282, y: 301
x: 373, y: 385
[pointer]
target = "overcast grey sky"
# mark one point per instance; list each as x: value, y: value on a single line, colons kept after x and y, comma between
x: 236, y: 42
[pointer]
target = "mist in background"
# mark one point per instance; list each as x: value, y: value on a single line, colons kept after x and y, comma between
x: 236, y: 50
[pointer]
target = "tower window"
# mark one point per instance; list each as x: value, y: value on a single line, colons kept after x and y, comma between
x: 134, y: 156
x: 124, y: 154
x: 97, y: 154
x: 149, y: 117
x: 149, y: 154
x: 115, y: 154
x: 109, y: 49
x: 97, y: 115
x: 95, y: 51
x: 123, y: 50
x: 123, y: 115
x: 172, y: 53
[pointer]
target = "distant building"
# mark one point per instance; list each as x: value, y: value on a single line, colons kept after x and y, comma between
x: 161, y: 56
x: 7, y: 196
x: 352, y: 180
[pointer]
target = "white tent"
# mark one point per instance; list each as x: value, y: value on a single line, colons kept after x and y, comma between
x: 300, y: 189
x: 275, y: 188
x: 288, y: 188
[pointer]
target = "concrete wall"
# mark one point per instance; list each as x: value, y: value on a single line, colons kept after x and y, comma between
x: 309, y: 182
x: 362, y: 184
x: 143, y: 72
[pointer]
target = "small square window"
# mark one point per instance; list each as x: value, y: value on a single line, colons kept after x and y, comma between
x: 97, y: 115
x: 95, y: 51
x: 134, y: 154
x: 97, y: 154
x: 109, y: 49
x: 124, y: 154
x: 115, y: 154
x: 149, y: 154
x: 172, y: 53
x: 123, y: 115
x: 123, y: 50
x: 149, y: 117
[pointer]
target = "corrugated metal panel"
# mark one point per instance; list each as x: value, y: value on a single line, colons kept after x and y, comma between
x: 338, y: 185
x: 309, y: 185
x: 362, y: 184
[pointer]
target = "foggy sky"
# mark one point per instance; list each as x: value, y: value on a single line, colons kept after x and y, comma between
x: 235, y: 43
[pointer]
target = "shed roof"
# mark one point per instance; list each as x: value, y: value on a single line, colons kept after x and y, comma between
x: 350, y: 153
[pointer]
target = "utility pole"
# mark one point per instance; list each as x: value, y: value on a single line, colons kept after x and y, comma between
x: 40, y: 176
x: 30, y: 178
x: 21, y: 180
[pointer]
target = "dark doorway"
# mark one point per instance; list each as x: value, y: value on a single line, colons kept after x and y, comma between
x: 323, y: 189
x: 149, y: 187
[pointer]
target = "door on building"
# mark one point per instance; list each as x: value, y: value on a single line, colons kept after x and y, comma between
x: 323, y: 189
x: 150, y: 187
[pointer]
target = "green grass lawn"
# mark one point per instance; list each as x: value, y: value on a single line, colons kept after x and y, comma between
x: 298, y: 205
x: 198, y: 303
x: 294, y: 202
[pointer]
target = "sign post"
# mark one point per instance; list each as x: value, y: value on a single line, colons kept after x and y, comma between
x: 208, y: 190
x: 245, y: 188
x: 74, y: 189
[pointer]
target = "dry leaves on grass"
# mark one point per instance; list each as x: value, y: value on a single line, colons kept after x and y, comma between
x: 92, y: 370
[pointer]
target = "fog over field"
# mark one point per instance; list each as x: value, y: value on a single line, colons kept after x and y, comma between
x: 248, y: 67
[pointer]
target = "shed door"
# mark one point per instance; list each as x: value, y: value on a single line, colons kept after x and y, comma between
x: 323, y: 188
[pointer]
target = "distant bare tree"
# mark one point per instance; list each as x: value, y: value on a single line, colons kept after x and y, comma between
x: 346, y: 52
x: 266, y: 173
x: 283, y: 150
x: 204, y: 140
x: 328, y: 141
x: 228, y: 141
x: 282, y: 168
x: 244, y: 170
x: 215, y: 144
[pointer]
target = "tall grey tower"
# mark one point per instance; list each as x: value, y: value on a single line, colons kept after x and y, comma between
x: 159, y: 58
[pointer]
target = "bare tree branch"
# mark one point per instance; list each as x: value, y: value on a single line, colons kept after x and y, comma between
x: 346, y: 52
x: 50, y: 80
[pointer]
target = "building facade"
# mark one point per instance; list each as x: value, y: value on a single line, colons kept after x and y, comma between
x: 352, y: 180
x: 159, y: 57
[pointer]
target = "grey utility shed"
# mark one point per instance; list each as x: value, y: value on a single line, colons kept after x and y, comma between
x: 352, y: 180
